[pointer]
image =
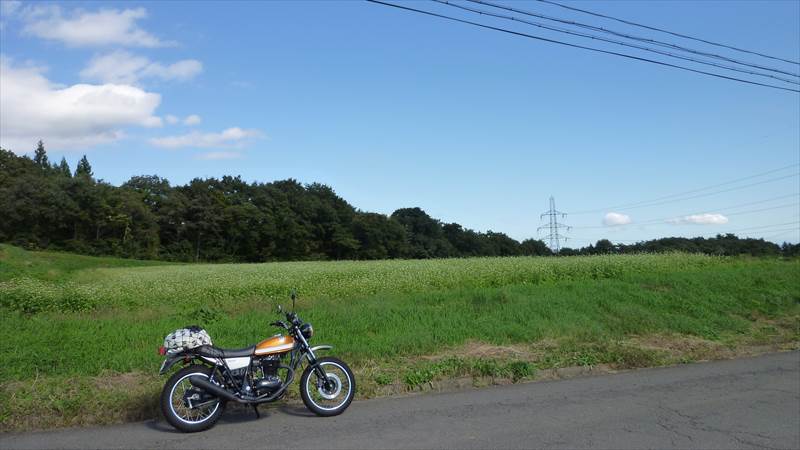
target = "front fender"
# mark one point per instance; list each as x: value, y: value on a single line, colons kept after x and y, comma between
x: 321, y: 347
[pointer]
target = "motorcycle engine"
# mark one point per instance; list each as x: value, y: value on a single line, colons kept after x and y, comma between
x: 270, y: 380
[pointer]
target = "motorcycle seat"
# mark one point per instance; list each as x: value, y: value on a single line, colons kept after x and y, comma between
x: 215, y: 352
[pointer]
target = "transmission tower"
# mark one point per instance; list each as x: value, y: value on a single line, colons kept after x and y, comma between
x: 554, y: 226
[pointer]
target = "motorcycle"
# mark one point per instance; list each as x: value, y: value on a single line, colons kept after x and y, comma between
x: 194, y: 397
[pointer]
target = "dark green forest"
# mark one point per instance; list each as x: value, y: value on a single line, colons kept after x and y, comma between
x: 48, y: 206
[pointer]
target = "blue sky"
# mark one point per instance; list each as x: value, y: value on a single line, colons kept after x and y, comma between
x: 395, y: 109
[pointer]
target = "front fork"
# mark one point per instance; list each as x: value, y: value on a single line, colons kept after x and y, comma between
x: 312, y: 358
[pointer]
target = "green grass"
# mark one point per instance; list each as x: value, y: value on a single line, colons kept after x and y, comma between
x: 56, y: 266
x: 72, y: 321
x: 457, y: 366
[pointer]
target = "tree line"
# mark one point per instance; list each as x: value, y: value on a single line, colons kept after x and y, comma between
x: 722, y: 244
x: 48, y: 206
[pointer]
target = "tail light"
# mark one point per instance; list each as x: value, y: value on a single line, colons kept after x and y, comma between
x: 162, y: 351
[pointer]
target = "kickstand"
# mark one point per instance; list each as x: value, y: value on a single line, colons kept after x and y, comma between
x: 255, y: 408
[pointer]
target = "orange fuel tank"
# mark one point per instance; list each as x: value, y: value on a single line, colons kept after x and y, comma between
x: 275, y: 344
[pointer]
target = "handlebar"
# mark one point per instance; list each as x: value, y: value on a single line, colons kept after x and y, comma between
x: 280, y: 323
x: 293, y: 319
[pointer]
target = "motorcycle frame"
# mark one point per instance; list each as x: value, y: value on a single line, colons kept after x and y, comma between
x: 296, y: 354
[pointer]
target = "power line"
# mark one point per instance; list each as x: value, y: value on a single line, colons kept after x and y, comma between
x: 764, y: 226
x: 633, y: 37
x: 751, y: 211
x: 687, y: 192
x: 627, y: 22
x: 567, y: 44
x: 680, y: 194
x: 758, y: 202
x: 761, y: 228
x: 613, y: 41
x: 667, y: 219
x: 710, y: 193
x: 787, y: 231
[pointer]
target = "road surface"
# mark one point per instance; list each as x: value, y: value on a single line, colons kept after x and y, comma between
x: 745, y: 403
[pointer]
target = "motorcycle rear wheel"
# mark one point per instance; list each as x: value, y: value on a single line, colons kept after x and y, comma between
x: 173, y: 405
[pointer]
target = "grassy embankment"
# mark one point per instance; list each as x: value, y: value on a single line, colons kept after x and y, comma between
x: 78, y: 335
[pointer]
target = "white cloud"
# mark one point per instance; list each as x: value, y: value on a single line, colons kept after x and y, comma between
x: 123, y: 67
x: 192, y: 120
x: 65, y: 117
x: 700, y: 219
x: 219, y: 155
x: 88, y: 29
x: 172, y: 120
x: 613, y: 219
x: 182, y: 70
x: 227, y: 138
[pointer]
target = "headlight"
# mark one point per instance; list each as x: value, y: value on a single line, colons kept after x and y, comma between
x: 307, y: 330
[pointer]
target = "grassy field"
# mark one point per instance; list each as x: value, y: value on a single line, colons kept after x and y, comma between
x: 78, y: 335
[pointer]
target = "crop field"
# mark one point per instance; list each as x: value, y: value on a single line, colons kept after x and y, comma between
x: 78, y: 335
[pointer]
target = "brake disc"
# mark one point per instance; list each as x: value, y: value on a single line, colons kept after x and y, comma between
x: 333, y: 393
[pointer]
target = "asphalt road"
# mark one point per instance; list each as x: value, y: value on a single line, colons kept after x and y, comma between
x: 745, y: 403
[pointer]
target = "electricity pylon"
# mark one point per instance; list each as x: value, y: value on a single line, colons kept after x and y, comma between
x: 554, y: 226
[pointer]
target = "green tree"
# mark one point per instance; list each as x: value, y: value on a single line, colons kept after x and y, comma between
x: 40, y: 156
x: 501, y: 245
x: 379, y: 237
x: 426, y: 237
x: 84, y: 169
x: 152, y: 188
x: 604, y: 246
x: 465, y: 241
x: 790, y: 250
x: 63, y: 168
x: 534, y: 247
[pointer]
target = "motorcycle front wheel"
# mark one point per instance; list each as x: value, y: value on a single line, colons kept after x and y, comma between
x: 187, y: 408
x: 332, y: 395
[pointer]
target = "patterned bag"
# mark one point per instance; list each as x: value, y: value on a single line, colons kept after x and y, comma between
x: 186, y: 338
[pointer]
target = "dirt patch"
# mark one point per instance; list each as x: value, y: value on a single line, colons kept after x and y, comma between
x: 470, y: 382
x: 112, y: 382
x: 51, y: 402
x: 678, y: 347
x: 482, y: 350
x: 681, y: 348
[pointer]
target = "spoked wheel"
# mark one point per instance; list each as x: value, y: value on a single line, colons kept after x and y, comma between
x: 186, y: 407
x: 331, y: 395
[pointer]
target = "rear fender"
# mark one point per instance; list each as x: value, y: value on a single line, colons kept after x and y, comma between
x: 173, y: 359
x: 169, y: 362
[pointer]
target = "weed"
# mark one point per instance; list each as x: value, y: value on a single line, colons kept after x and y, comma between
x: 521, y: 369
x: 383, y: 379
x: 417, y: 377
